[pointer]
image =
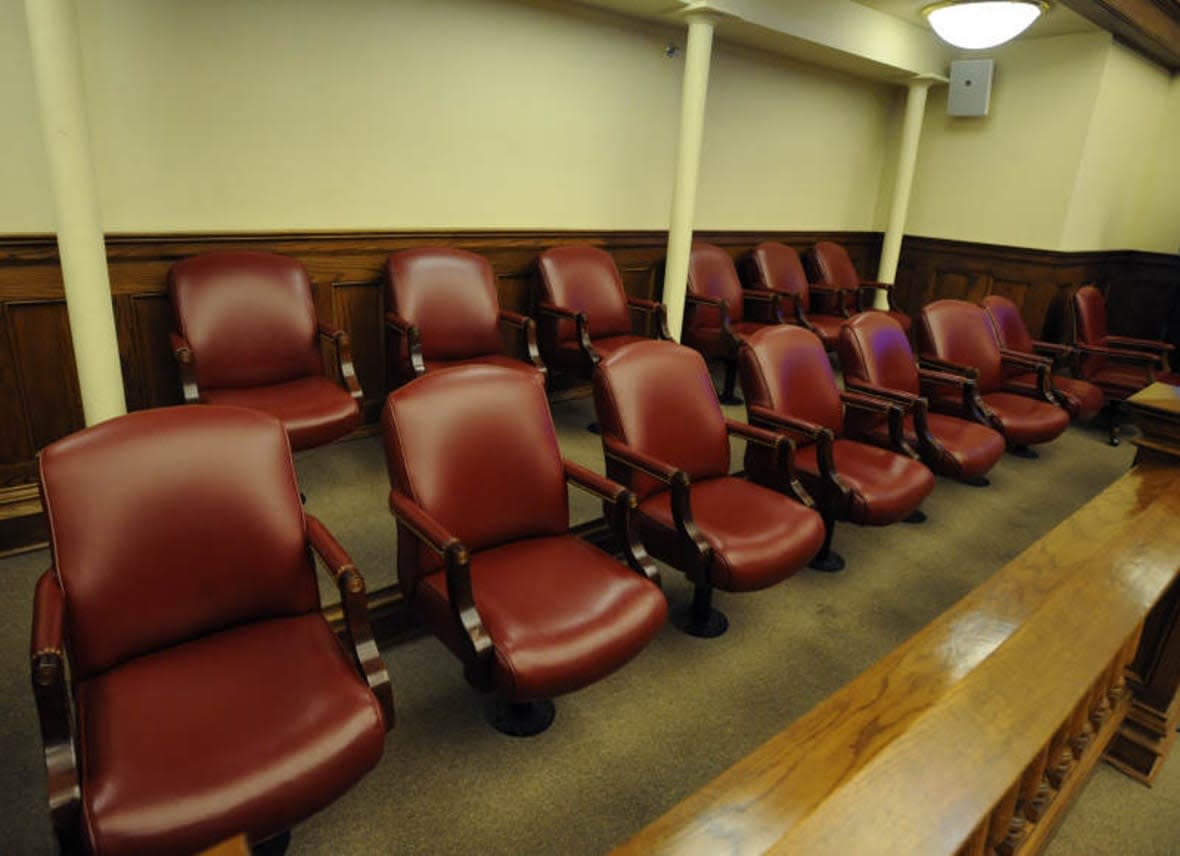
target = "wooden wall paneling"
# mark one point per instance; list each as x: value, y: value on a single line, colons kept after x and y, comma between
x: 44, y: 356
x: 16, y: 444
x: 357, y: 309
x: 156, y: 368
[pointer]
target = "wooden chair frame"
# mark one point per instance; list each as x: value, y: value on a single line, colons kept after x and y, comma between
x: 526, y: 336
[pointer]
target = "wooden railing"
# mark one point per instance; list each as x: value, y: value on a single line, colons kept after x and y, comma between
x: 974, y: 735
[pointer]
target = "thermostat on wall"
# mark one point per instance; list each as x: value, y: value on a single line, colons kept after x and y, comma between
x: 971, y: 87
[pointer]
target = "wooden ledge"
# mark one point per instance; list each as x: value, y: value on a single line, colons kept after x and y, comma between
x: 913, y: 755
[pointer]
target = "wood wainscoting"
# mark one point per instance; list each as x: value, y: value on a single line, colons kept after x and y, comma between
x: 1143, y: 289
x: 39, y: 395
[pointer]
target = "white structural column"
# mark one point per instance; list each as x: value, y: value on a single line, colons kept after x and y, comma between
x: 688, y: 162
x: 911, y: 132
x: 53, y: 34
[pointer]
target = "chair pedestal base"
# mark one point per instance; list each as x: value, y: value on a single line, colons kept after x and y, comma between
x: 700, y: 619
x: 827, y: 562
x: 521, y: 718
x: 594, y: 428
x: 276, y: 845
x: 1022, y: 451
x: 977, y: 481
x: 915, y: 516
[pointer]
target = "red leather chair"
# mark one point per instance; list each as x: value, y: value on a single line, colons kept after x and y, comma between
x: 790, y: 387
x: 777, y: 267
x: 441, y: 309
x: 584, y: 311
x: 247, y: 337
x: 955, y: 336
x: 485, y: 555
x: 876, y: 359
x: 715, y: 310
x: 843, y: 288
x: 664, y: 436
x: 188, y: 686
x: 1118, y: 365
x: 1080, y: 399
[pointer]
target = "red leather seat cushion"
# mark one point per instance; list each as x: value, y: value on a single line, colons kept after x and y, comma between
x: 248, y: 730
x: 886, y: 486
x: 312, y: 409
x: 484, y: 360
x: 568, y: 355
x: 970, y: 449
x: 759, y: 537
x: 1027, y: 420
x: 561, y: 613
x: 827, y: 327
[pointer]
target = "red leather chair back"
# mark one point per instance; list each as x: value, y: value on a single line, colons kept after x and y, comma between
x: 585, y: 279
x: 711, y: 273
x: 786, y: 369
x: 873, y: 349
x: 450, y: 295
x: 777, y: 267
x: 248, y: 317
x: 658, y: 398
x: 1007, y: 324
x: 958, y: 331
x: 834, y: 266
x: 1089, y: 310
x: 476, y: 448
x: 171, y: 524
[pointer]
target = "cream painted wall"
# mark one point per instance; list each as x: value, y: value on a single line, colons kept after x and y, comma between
x: 791, y: 147
x: 399, y: 114
x: 1156, y: 215
x: 25, y: 201
x: 1007, y: 178
x: 1118, y: 159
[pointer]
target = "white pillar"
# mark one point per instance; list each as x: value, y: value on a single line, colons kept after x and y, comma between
x: 53, y: 35
x: 911, y: 132
x: 688, y: 162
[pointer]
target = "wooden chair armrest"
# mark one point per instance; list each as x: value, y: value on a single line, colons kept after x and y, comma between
x: 618, y: 505
x: 946, y: 378
x: 873, y: 283
x: 760, y: 436
x: 1053, y: 348
x: 1019, y: 358
x: 1141, y: 357
x: 761, y: 295
x: 51, y: 693
x: 892, y: 410
x: 413, y: 338
x: 837, y: 296
x: 1141, y: 344
x: 459, y: 593
x: 770, y: 460
x: 656, y: 312
x: 765, y: 417
x: 355, y: 604
x: 905, y: 400
x: 527, y: 342
x: 645, y: 464
x: 345, y: 370
x: 546, y: 308
x: 824, y: 289
x: 184, y: 360
x: 705, y: 299
x: 947, y: 366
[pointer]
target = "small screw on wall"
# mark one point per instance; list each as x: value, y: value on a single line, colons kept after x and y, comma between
x: 671, y: 51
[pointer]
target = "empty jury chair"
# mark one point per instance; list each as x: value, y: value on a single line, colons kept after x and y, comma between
x: 1119, y: 365
x: 955, y: 336
x: 876, y: 358
x: 777, y: 267
x: 843, y: 287
x: 715, y: 307
x: 665, y: 436
x: 188, y: 687
x: 584, y: 311
x: 1081, y: 400
x: 790, y: 387
x: 441, y: 309
x: 246, y: 335
x: 485, y: 555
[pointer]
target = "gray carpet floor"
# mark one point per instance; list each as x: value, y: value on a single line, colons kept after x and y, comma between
x: 623, y: 751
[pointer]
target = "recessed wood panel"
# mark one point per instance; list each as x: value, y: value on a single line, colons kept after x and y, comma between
x: 156, y: 366
x: 358, y: 310
x: 44, y: 355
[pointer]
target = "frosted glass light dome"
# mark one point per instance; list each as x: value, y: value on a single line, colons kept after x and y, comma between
x: 978, y: 24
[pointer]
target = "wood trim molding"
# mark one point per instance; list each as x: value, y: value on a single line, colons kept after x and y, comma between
x: 1151, y: 27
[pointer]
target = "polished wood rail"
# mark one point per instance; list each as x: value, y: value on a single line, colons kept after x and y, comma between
x: 975, y: 734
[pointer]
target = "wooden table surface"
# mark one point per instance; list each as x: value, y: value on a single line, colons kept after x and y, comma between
x: 913, y: 754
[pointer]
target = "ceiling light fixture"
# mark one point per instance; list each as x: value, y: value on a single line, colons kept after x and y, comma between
x: 978, y: 24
